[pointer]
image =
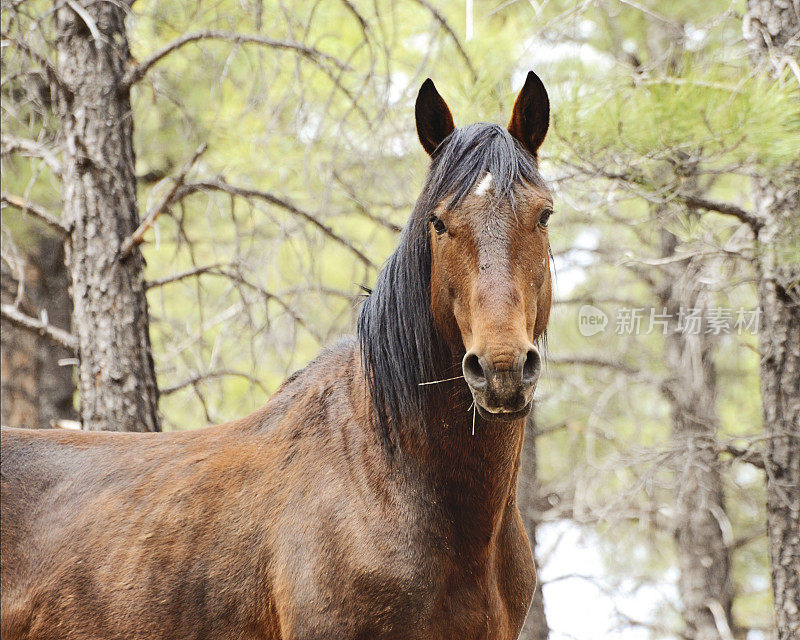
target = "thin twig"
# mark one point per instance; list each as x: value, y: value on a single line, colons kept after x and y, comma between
x: 595, y: 362
x: 47, y: 66
x: 181, y: 275
x: 749, y: 456
x: 244, y: 192
x: 691, y: 200
x: 138, y: 72
x: 137, y: 237
x: 35, y: 211
x: 231, y: 273
x: 208, y: 376
x: 24, y: 321
x: 14, y: 144
x: 446, y: 26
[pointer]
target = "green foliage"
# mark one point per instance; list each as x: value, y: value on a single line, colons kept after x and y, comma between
x: 714, y: 114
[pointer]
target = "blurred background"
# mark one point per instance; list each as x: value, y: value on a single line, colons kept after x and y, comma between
x: 276, y: 160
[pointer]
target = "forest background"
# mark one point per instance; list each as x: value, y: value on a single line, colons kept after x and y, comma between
x: 265, y: 159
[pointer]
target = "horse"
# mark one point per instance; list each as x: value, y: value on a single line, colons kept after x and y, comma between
x: 373, y: 496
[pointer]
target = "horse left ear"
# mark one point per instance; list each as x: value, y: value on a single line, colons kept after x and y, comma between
x: 531, y: 116
x: 434, y: 121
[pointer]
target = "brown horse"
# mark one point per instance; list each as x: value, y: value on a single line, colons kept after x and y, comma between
x: 358, y: 503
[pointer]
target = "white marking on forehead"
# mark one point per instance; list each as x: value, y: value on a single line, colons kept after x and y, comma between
x: 483, y: 185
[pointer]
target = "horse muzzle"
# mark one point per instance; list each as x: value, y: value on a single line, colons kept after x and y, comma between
x: 503, y: 388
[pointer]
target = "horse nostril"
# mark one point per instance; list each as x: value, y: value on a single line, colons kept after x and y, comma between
x: 473, y: 371
x: 532, y: 366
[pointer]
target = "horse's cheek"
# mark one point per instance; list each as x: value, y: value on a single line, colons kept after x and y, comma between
x: 543, y: 302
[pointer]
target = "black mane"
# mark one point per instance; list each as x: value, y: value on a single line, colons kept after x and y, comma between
x: 400, y: 346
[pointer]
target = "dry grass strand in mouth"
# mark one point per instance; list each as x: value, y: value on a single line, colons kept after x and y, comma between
x: 438, y: 381
x: 472, y: 406
x: 474, y: 409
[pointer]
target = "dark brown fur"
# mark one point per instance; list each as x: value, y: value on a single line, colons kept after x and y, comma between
x: 296, y: 522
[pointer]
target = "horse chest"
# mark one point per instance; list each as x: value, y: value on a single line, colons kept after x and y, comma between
x: 419, y: 586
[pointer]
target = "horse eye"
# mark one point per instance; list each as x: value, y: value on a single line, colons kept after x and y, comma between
x: 438, y: 225
x: 545, y: 217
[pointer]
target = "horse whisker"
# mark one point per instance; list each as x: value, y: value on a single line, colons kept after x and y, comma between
x: 438, y: 381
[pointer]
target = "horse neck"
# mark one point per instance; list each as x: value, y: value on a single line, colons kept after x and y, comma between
x: 474, y: 475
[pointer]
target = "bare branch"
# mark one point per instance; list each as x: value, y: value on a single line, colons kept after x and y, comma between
x: 231, y: 273
x: 137, y: 237
x: 182, y: 275
x: 243, y: 192
x: 234, y: 275
x: 35, y: 211
x: 138, y: 72
x: 13, y: 144
x: 720, y: 619
x: 604, y: 363
x: 47, y: 66
x: 87, y: 20
x: 209, y: 376
x: 596, y: 300
x: 698, y: 202
x: 750, y: 456
x: 691, y: 200
x: 543, y: 431
x: 749, y: 537
x: 446, y: 26
x: 362, y: 207
x: 23, y: 321
x: 594, y: 362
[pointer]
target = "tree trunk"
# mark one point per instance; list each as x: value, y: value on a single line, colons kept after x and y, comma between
x: 536, y: 623
x: 117, y: 382
x: 779, y: 344
x: 38, y: 392
x: 772, y: 29
x: 704, y: 561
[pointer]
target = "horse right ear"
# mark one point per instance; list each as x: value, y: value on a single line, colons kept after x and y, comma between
x: 531, y: 115
x: 434, y: 121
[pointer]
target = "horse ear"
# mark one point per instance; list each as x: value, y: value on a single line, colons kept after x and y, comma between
x: 531, y: 115
x: 434, y: 121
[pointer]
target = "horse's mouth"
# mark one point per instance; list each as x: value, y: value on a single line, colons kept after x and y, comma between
x: 504, y: 415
